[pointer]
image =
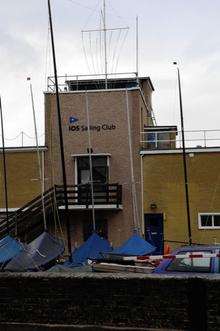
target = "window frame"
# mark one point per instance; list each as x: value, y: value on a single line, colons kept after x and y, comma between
x: 212, y: 227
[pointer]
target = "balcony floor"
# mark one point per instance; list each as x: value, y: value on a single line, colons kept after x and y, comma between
x: 97, y: 207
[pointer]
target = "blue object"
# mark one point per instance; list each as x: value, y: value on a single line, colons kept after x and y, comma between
x: 9, y: 247
x: 135, y: 245
x: 191, y: 266
x: 38, y: 254
x: 90, y: 249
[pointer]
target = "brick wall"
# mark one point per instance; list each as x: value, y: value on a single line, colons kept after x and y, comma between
x: 138, y: 301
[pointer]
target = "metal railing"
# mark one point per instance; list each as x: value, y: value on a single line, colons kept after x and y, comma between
x: 62, y: 80
x: 173, y: 139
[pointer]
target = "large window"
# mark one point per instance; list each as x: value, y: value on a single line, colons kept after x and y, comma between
x: 209, y: 220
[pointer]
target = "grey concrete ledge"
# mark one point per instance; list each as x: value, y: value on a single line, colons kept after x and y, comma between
x: 63, y: 327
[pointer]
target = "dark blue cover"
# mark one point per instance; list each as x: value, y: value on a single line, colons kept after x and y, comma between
x: 9, y: 247
x: 90, y: 249
x: 38, y: 254
x: 135, y: 245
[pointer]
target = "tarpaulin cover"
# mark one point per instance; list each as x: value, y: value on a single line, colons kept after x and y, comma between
x: 9, y: 247
x: 135, y: 245
x: 38, y: 254
x: 91, y: 249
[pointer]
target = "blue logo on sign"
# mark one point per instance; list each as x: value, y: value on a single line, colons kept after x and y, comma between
x: 73, y: 120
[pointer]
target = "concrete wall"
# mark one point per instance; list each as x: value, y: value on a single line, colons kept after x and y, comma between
x: 164, y: 185
x: 138, y: 301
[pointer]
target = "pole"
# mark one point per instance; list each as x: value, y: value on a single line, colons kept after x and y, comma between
x: 137, y: 47
x: 4, y: 167
x: 60, y: 135
x: 22, y: 138
x: 184, y: 159
x: 38, y: 156
x: 105, y: 46
x: 90, y: 163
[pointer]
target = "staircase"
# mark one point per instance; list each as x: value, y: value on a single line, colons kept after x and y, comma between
x: 27, y: 222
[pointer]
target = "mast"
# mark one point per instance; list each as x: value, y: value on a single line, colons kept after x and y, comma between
x: 41, y: 177
x: 184, y: 158
x: 137, y: 46
x: 105, y: 46
x: 60, y: 135
x: 90, y: 163
x: 4, y: 167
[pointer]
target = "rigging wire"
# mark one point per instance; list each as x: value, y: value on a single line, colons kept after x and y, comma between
x: 90, y: 16
x: 91, y: 53
x: 85, y: 54
x: 115, y: 49
x: 121, y: 47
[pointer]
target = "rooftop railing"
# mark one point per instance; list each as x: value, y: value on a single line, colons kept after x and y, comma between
x: 173, y: 139
x: 63, y: 85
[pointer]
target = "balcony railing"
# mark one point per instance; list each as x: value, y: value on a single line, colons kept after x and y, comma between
x: 81, y: 195
x: 173, y: 139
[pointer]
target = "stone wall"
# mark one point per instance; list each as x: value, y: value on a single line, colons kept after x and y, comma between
x: 136, y: 301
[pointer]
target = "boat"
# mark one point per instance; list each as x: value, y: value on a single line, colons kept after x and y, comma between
x: 39, y: 255
x: 91, y: 249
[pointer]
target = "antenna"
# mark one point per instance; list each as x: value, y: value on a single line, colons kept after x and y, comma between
x: 137, y: 46
x: 105, y: 47
x: 105, y: 30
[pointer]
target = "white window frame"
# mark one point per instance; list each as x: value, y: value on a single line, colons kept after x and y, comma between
x: 213, y: 227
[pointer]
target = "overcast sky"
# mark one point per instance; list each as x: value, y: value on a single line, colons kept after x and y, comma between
x: 186, y: 31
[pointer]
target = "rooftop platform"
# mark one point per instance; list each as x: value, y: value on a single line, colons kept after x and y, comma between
x: 74, y: 83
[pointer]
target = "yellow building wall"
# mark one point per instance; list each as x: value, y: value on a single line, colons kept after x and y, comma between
x: 22, y: 172
x: 164, y: 185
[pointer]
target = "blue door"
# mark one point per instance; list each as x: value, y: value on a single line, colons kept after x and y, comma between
x: 153, y: 224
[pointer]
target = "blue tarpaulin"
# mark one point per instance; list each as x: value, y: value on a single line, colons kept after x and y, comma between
x: 91, y: 249
x: 9, y: 247
x: 135, y: 245
x: 38, y: 254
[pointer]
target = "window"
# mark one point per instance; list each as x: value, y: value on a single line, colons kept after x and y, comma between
x: 99, y: 169
x: 191, y: 264
x: 158, y: 140
x: 209, y: 220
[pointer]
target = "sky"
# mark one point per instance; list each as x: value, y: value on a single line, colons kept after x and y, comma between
x: 186, y: 31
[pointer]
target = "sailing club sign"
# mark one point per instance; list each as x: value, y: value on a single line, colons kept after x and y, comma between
x: 75, y: 127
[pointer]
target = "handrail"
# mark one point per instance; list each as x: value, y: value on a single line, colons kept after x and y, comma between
x: 110, y: 194
x: 204, y: 138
